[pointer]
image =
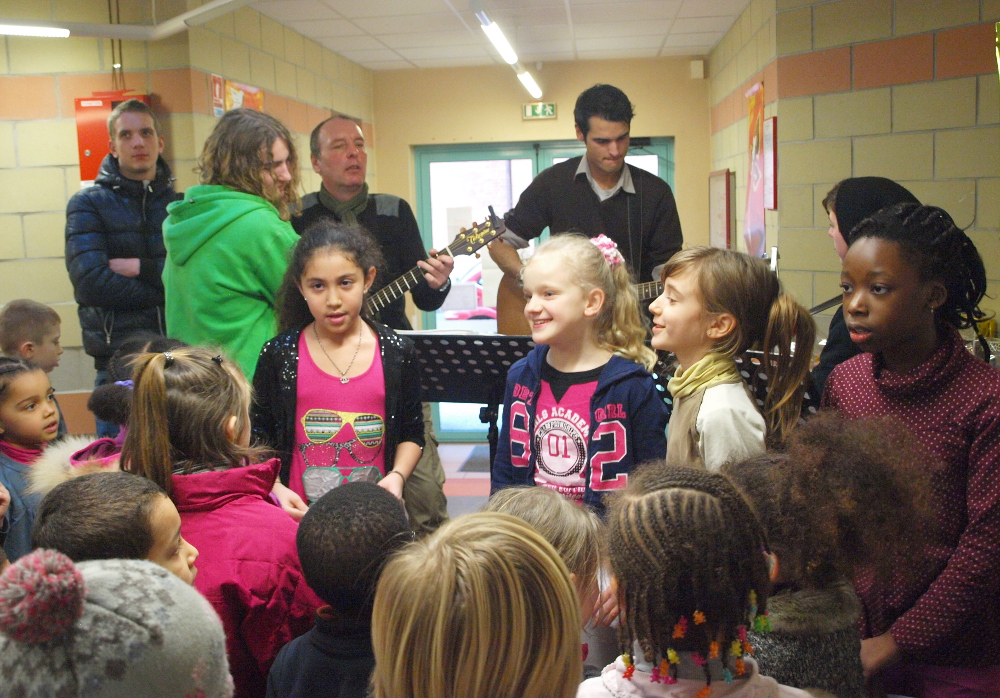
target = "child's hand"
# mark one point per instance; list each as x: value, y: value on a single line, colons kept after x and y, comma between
x: 290, y: 501
x: 4, y: 501
x: 877, y: 653
x: 393, y: 483
x: 606, y: 610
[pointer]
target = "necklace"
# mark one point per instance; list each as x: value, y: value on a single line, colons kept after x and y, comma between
x: 343, y: 374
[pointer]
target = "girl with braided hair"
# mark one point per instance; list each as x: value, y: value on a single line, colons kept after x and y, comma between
x: 690, y: 559
x: 911, y: 280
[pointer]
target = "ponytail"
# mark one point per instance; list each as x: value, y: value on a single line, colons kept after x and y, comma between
x: 625, y: 332
x: 181, y: 403
x: 788, y: 321
x: 147, y: 450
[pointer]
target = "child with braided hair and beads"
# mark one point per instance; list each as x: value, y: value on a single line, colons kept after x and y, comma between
x: 690, y: 560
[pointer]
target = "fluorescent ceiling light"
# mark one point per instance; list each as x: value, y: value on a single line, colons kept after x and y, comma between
x: 18, y: 30
x: 500, y: 41
x: 529, y: 84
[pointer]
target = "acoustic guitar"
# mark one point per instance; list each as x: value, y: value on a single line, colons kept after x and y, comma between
x: 510, y: 303
x: 468, y: 241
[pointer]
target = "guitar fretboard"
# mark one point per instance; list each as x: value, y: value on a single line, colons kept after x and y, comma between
x: 395, y: 289
x: 649, y: 290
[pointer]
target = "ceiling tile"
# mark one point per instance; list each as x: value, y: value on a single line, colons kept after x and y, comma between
x: 500, y: 5
x: 431, y: 52
x: 624, y: 11
x: 693, y: 39
x: 326, y: 27
x: 536, y: 34
x: 686, y: 51
x: 694, y: 25
x: 286, y: 10
x: 363, y: 56
x: 590, y: 31
x: 523, y: 16
x: 389, y: 65
x: 530, y: 58
x: 386, y: 8
x: 713, y: 8
x: 536, y: 47
x: 623, y: 43
x: 407, y: 24
x: 610, y: 55
x: 461, y: 37
x: 357, y: 43
x: 455, y: 63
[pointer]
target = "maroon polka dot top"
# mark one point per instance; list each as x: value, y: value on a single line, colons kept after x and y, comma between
x: 949, y: 613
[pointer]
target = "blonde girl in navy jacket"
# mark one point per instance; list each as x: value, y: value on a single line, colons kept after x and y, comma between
x: 581, y: 410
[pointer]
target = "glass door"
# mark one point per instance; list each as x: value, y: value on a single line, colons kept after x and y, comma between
x: 456, y: 184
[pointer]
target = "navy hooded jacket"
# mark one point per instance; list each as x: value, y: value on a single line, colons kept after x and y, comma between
x: 627, y: 426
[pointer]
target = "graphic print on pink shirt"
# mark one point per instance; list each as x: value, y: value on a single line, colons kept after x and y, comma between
x: 562, y: 428
x: 334, y: 444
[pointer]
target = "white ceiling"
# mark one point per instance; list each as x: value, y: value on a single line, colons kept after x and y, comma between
x: 392, y: 34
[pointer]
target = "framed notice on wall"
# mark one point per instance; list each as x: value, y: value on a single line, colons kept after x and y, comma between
x: 720, y: 209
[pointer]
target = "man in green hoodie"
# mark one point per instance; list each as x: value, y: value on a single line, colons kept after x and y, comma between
x: 228, y: 240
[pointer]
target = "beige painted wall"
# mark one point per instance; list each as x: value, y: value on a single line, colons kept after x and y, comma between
x: 481, y: 105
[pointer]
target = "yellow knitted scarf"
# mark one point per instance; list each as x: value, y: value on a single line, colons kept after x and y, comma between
x: 711, y: 369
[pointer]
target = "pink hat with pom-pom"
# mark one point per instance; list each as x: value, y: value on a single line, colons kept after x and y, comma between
x: 107, y: 628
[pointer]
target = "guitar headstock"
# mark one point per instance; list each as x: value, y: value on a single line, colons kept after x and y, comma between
x: 469, y: 240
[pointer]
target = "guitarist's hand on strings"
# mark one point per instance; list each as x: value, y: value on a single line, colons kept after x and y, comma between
x: 436, y: 269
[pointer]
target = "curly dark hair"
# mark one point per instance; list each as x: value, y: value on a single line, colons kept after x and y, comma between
x: 353, y: 241
x: 845, y: 495
x: 929, y: 239
x: 683, y: 540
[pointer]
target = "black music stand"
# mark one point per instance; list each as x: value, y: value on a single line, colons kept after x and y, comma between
x: 469, y: 368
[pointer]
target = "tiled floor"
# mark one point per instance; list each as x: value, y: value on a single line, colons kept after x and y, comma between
x: 466, y: 492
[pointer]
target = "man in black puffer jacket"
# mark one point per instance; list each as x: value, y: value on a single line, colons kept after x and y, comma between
x: 114, y: 244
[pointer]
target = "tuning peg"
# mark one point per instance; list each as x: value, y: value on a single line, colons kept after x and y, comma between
x: 478, y: 255
x: 462, y: 230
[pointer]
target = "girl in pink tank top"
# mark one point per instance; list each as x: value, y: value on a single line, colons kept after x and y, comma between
x: 338, y: 396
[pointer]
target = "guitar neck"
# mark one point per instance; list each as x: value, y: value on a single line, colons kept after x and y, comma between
x: 396, y: 289
x: 649, y: 290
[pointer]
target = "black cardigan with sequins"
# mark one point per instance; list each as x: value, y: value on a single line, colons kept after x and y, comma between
x: 272, y: 414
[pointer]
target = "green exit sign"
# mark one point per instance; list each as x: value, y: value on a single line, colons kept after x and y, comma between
x: 539, y: 110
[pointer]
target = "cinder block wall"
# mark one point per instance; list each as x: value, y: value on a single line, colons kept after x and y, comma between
x: 39, y: 79
x: 744, y: 57
x: 904, y: 89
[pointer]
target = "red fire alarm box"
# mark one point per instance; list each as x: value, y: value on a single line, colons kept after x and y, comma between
x: 92, y: 128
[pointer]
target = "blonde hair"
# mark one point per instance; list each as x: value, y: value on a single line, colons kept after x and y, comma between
x: 482, y: 607
x: 575, y: 532
x: 239, y: 150
x: 767, y: 319
x: 181, y: 403
x: 619, y: 326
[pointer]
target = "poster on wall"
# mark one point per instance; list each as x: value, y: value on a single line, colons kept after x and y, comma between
x: 754, y: 234
x: 239, y: 95
x: 218, y: 95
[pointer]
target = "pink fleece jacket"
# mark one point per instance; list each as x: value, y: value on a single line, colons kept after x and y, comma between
x: 248, y: 567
